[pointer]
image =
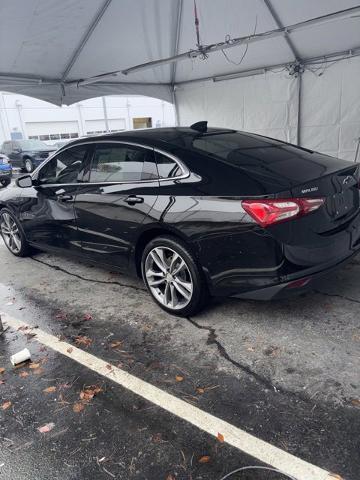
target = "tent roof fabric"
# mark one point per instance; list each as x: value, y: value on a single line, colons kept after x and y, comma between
x: 46, y: 44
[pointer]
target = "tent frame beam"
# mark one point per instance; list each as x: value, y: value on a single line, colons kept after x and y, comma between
x: 336, y: 56
x: 100, y: 13
x: 280, y: 25
x: 234, y: 42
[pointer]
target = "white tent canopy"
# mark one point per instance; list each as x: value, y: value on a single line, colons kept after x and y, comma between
x: 52, y: 49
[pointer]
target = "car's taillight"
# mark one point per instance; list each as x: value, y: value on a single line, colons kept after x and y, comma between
x: 267, y: 212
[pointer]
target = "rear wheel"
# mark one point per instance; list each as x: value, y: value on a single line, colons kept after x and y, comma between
x: 12, y: 234
x: 5, y: 182
x: 173, y: 277
x: 28, y: 165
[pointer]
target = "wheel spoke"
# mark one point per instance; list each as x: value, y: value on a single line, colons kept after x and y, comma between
x: 158, y: 256
x: 167, y: 294
x: 5, y: 229
x: 152, y: 273
x: 183, y: 292
x: 184, y: 284
x: 173, y: 299
x: 179, y: 267
x: 6, y: 218
x: 17, y: 241
x: 174, y: 259
x: 156, y: 283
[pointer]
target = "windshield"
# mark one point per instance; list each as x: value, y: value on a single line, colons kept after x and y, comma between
x: 33, y: 145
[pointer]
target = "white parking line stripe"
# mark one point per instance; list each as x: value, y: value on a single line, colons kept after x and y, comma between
x: 249, y: 444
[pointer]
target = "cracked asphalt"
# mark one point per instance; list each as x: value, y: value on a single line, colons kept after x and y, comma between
x: 286, y: 371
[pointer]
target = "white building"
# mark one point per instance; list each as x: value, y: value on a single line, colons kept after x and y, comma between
x: 26, y: 117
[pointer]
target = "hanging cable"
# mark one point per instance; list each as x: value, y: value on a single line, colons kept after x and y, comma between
x: 228, y: 39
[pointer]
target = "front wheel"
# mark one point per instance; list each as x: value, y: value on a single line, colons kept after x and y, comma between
x: 173, y: 277
x: 28, y: 165
x: 12, y: 234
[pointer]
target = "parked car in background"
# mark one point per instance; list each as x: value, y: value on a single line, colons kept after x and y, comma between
x: 5, y: 170
x: 193, y: 211
x: 26, y: 154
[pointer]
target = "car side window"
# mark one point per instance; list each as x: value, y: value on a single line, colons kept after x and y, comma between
x: 66, y: 167
x: 167, y: 167
x: 118, y: 163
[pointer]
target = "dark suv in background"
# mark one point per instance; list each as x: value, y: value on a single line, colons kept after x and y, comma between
x: 26, y: 154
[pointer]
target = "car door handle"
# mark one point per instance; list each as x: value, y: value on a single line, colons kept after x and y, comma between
x: 65, y: 198
x: 132, y: 199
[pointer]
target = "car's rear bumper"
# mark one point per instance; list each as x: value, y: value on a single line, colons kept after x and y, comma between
x: 296, y: 283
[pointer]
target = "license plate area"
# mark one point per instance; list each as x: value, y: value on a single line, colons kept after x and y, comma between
x: 342, y: 203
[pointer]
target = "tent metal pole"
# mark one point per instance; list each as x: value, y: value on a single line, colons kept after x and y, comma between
x: 176, y: 40
x: 85, y: 38
x: 279, y: 24
x: 105, y: 114
x: 354, y: 52
x: 298, y: 132
x: 234, y: 42
x: 176, y: 107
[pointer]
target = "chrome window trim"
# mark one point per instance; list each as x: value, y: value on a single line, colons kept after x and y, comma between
x: 183, y: 168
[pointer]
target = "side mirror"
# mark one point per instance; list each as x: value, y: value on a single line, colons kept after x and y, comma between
x: 24, y: 182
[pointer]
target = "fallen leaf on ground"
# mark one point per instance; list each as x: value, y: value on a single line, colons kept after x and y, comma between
x: 200, y: 390
x: 335, y: 476
x: 170, y: 477
x: 87, y: 316
x: 109, y: 367
x: 78, y: 407
x: 272, y: 351
x: 250, y: 349
x: 39, y: 371
x: 204, y: 459
x: 90, y: 392
x: 355, y: 402
x: 69, y: 350
x: 83, y: 340
x: 23, y: 374
x: 34, y: 366
x: 179, y: 378
x: 49, y: 390
x: 47, y: 427
x: 2, y: 370
x: 157, y: 438
x: 2, y: 382
x: 116, y: 344
x: 6, y: 405
x: 220, y: 437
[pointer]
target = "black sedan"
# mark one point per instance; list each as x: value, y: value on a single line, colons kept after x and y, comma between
x: 193, y: 211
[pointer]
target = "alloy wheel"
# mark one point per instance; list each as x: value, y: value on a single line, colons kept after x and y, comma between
x: 10, y: 233
x: 169, y: 278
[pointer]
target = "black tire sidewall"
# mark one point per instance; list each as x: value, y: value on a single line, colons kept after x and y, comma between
x: 199, y: 284
x: 24, y: 251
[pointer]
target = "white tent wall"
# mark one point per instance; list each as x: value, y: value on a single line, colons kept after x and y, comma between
x: 330, y: 110
x: 268, y: 104
x: 265, y: 104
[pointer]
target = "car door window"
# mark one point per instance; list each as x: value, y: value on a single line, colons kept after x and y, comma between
x: 119, y: 163
x: 167, y: 167
x: 66, y: 167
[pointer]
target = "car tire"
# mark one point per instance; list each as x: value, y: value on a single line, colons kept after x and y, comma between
x: 5, y: 182
x: 172, y: 276
x: 28, y: 165
x: 10, y: 228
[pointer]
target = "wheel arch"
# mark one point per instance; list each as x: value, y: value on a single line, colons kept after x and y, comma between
x: 149, y: 234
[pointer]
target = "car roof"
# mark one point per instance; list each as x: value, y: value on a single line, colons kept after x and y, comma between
x: 174, y: 136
